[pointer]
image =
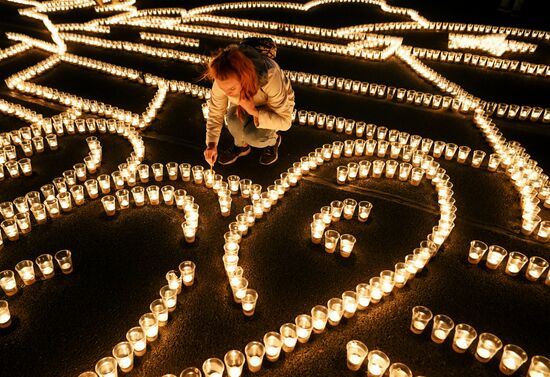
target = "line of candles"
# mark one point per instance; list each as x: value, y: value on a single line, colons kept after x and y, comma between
x: 16, y: 49
x: 119, y: 6
x: 515, y: 263
x: 168, y: 38
x: 488, y: 345
x: 135, y: 345
x: 26, y: 271
x: 377, y: 361
x: 494, y: 44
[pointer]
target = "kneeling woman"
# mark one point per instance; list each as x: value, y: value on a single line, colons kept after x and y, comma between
x: 255, y: 98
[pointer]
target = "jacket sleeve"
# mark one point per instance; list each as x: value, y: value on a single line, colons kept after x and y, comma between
x: 276, y: 114
x: 217, y: 106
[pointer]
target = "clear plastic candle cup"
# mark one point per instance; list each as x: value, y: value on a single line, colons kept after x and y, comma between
x: 337, y: 207
x: 290, y: 336
x: 149, y: 325
x: 234, y: 362
x: 476, y: 252
x: 304, y: 326
x: 5, y: 315
x: 463, y: 337
x: 136, y: 336
x: 442, y: 326
x: 349, y: 208
x: 349, y: 300
x: 364, y: 209
x: 539, y: 367
x: 335, y: 311
x: 319, y: 316
x: 64, y: 260
x: 356, y: 352
x: 45, y: 264
x: 513, y: 357
x: 109, y: 204
x: 516, y: 261
x: 400, y: 370
x: 190, y: 372
x: 169, y: 296
x: 254, y: 352
x: 488, y: 345
x: 124, y: 355
x: 378, y: 362
x: 273, y: 342
x: 495, y: 256
x: 160, y: 311
x: 106, y: 367
x: 535, y: 268
x: 248, y: 302
x: 420, y: 318
x: 25, y: 269
x: 213, y: 367
x: 8, y: 283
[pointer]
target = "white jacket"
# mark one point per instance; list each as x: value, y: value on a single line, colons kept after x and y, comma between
x: 274, y: 102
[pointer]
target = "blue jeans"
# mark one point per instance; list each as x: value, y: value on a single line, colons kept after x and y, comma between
x: 245, y: 132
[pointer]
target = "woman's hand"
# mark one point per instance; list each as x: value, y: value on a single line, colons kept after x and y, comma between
x: 211, y: 154
x: 249, y: 107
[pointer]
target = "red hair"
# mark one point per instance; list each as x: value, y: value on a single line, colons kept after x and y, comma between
x: 232, y: 62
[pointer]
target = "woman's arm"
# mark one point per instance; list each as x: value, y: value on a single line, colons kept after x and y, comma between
x: 217, y: 106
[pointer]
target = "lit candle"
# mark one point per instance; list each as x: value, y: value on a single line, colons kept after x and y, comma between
x: 349, y: 208
x: 45, y: 264
x: 304, y: 326
x: 487, y: 347
x: 317, y: 229
x: 536, y: 268
x: 512, y: 358
x: 349, y: 299
x: 254, y: 352
x: 319, y: 316
x: 539, y: 367
x: 109, y: 205
x: 356, y: 353
x: 106, y: 367
x: 442, y: 326
x: 124, y: 356
x: 273, y: 342
x: 25, y: 269
x: 364, y: 209
x: 64, y: 260
x: 249, y: 302
x: 464, y: 336
x: 148, y: 323
x: 516, y: 261
x: 160, y: 311
x: 290, y: 336
x: 378, y: 362
x: 477, y: 250
x: 495, y: 256
x: 5, y: 316
x: 335, y: 311
x: 420, y: 318
x: 136, y: 336
x: 169, y: 297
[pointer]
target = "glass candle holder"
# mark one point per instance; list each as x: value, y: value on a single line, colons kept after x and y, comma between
x: 356, y: 352
x: 421, y: 315
x: 143, y: 172
x: 23, y: 221
x: 225, y: 205
x: 254, y: 352
x: 138, y: 194
x: 377, y: 168
x: 364, y: 168
x: 364, y: 208
x: 463, y: 337
x: 304, y: 326
x: 476, y: 252
x: 248, y: 302
x: 106, y: 367
x: 441, y: 327
x: 347, y: 241
x: 198, y: 174
x: 77, y: 191
x: 543, y: 234
x: 349, y: 208
x: 124, y: 355
x: 401, y: 275
x: 169, y: 296
x: 233, y: 182
x: 64, y: 260
x: 153, y: 193
x: 290, y: 336
x: 349, y: 300
x: 158, y: 171
x: 319, y: 316
x: 167, y: 194
x: 213, y: 367
x: 5, y: 315
x: 149, y: 325
x: 488, y: 345
x: 80, y: 171
x: 160, y: 311
x: 92, y: 188
x: 378, y: 362
x: 174, y: 280
x: 326, y: 215
x: 8, y: 283
x: 187, y: 271
x: 513, y: 357
x: 273, y: 342
x: 109, y: 204
x: 376, y: 292
x: 317, y: 229
x: 190, y: 372
x: 172, y: 170
x: 25, y: 269
x: 337, y: 207
x: 189, y: 232
x: 400, y: 370
x: 335, y: 311
x: 331, y: 240
x: 387, y: 281
x: 239, y: 287
x: 45, y: 264
x: 234, y: 362
x: 516, y: 261
x: 245, y: 185
x: 136, y: 336
x: 539, y: 367
x: 535, y: 268
x: 495, y: 256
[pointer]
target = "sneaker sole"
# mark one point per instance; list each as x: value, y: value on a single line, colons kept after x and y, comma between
x: 278, y: 144
x: 236, y: 157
